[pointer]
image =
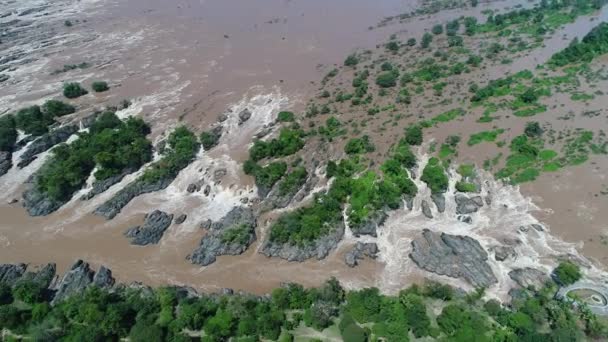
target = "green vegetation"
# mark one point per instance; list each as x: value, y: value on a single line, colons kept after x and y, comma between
x: 332, y: 129
x: 293, y: 181
x: 8, y: 133
x: 387, y: 79
x: 595, y: 43
x: 70, y: 67
x: 466, y: 187
x: 100, y: 86
x: 35, y: 120
x: 488, y: 136
x: 182, y: 147
x: 238, y: 235
x: 73, y: 90
x: 265, y: 176
x: 210, y: 139
x: 434, y: 176
x: 427, y: 38
x: 286, y: 117
x: 567, y: 273
x: 112, y: 146
x: 289, y: 142
x: 413, y: 135
x: 359, y: 145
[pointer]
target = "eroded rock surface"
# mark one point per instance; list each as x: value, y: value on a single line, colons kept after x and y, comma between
x: 359, y: 252
x: 46, y: 142
x: 78, y: 278
x: 114, y: 205
x: 152, y: 230
x: 231, y: 235
x: 6, y: 162
x: 526, y: 277
x: 454, y: 256
x: 466, y: 205
x: 319, y: 249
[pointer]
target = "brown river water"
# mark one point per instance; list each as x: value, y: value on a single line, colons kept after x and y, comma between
x: 190, y: 61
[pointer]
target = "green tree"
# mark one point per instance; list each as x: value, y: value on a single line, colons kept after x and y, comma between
x: 73, y: 90
x: 567, y: 273
x: 100, y: 86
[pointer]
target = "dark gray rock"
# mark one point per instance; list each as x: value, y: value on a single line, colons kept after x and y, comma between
x: 192, y: 188
x: 10, y: 274
x: 103, y: 278
x: 23, y: 142
x: 359, y: 252
x: 409, y: 202
x: 207, y: 190
x: 439, y: 200
x: 502, y: 253
x: 527, y: 277
x: 244, y: 116
x: 46, y: 142
x: 454, y: 256
x: 114, y: 205
x: 181, y: 219
x: 466, y: 205
x: 369, y: 226
x: 43, y: 275
x: 465, y: 218
x: 6, y: 162
x: 231, y: 235
x: 4, y: 78
x: 426, y: 209
x: 78, y: 278
x: 318, y: 249
x: 103, y: 185
x: 222, y: 117
x: 219, y: 174
x: 37, y: 203
x: 212, y: 137
x: 276, y: 199
x: 152, y: 230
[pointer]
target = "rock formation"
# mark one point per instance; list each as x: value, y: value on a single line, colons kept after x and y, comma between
x: 152, y: 230
x: 359, y: 252
x: 231, y: 235
x: 454, y: 256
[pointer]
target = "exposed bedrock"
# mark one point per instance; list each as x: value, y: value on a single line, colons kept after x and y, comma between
x: 151, y: 232
x: 370, y: 225
x: 426, y: 209
x: 453, y: 256
x: 467, y: 205
x: 231, y: 235
x: 275, y: 199
x: 359, y: 252
x: 114, y: 205
x: 6, y: 162
x: 244, y: 116
x: 46, y: 142
x: 529, y: 277
x: 439, y: 200
x: 100, y: 186
x: 79, y: 277
x: 318, y: 249
x: 38, y: 203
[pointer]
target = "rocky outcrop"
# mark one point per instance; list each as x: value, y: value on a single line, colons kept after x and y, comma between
x: 426, y: 209
x: 529, y: 277
x: 212, y: 138
x: 10, y: 274
x: 369, y: 226
x: 453, y: 256
x: 466, y: 205
x: 6, y: 162
x: 275, y: 199
x: 359, y: 252
x: 244, y: 116
x: 38, y: 203
x: 502, y: 253
x: 152, y: 230
x: 114, y: 205
x: 319, y: 248
x: 439, y: 200
x: 46, y: 142
x: 43, y: 276
x: 181, y: 219
x: 103, y: 185
x: 231, y: 235
x: 78, y: 278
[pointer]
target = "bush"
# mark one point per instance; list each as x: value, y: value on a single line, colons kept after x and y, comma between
x: 8, y: 133
x: 411, y: 42
x: 437, y: 29
x: 100, y: 86
x: 359, y: 145
x: 286, y: 117
x: 289, y: 142
x: 567, y: 273
x: 434, y: 176
x: 351, y: 60
x: 210, y: 139
x: 73, y: 90
x: 392, y: 46
x: 533, y: 130
x: 413, y: 135
x: 387, y: 79
x: 56, y: 108
x: 427, y: 38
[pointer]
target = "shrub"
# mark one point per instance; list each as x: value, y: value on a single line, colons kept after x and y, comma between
x: 286, y: 117
x: 351, y: 60
x: 100, y: 86
x: 413, y: 135
x: 411, y: 42
x: 434, y: 176
x: 73, y: 90
x: 465, y: 187
x: 56, y: 108
x: 427, y: 38
x: 437, y: 29
x: 33, y: 121
x: 8, y: 133
x: 567, y: 273
x: 210, y: 139
x: 387, y: 79
x: 392, y: 46
x: 359, y: 145
x: 533, y: 130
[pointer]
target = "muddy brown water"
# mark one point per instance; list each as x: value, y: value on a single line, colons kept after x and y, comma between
x: 189, y: 61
